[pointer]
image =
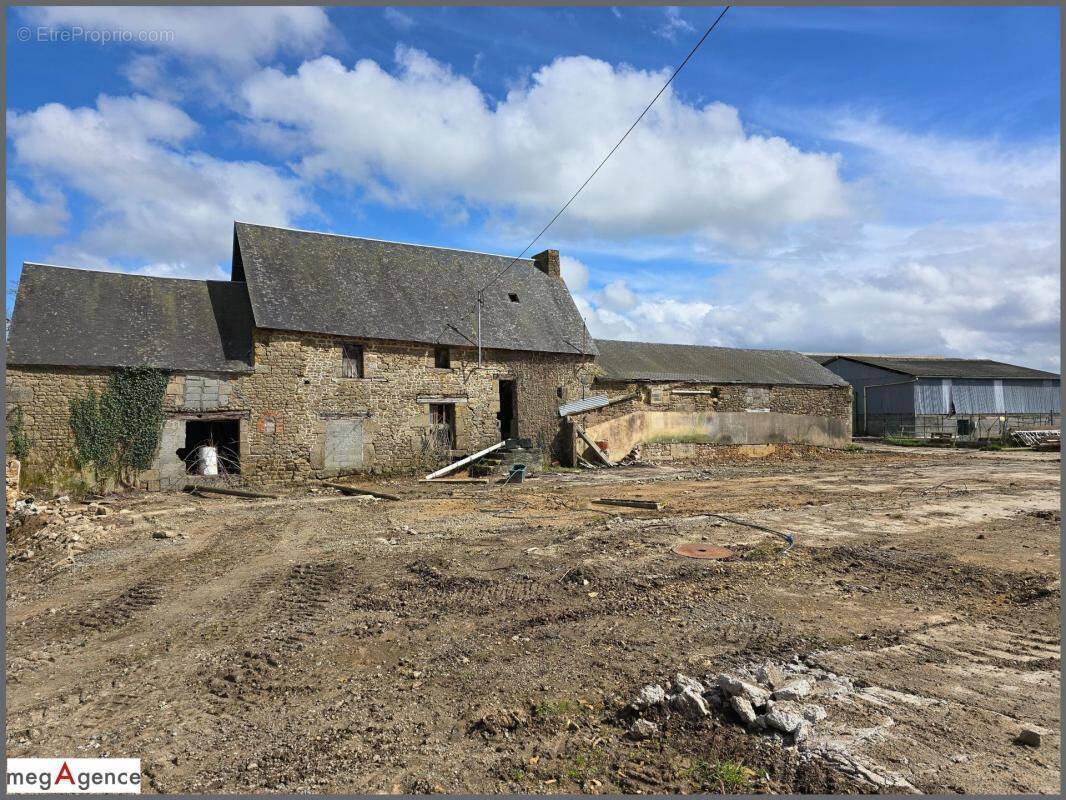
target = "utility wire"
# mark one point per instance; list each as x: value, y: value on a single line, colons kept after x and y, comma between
x: 607, y: 157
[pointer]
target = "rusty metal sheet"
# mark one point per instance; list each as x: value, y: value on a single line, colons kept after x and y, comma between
x: 701, y: 550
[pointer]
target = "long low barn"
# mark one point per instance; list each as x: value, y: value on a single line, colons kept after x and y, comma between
x: 967, y: 398
x: 683, y: 402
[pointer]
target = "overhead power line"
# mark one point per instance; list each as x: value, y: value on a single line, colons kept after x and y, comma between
x: 606, y: 158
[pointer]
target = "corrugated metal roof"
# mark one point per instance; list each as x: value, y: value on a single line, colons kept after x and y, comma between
x: 651, y: 361
x: 86, y: 318
x: 935, y: 367
x: 585, y: 404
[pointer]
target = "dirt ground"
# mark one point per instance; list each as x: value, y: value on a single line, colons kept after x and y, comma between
x: 485, y: 638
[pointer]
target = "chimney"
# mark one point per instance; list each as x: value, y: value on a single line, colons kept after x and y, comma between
x: 548, y: 263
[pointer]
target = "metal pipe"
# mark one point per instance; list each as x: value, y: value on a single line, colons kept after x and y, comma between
x: 480, y: 300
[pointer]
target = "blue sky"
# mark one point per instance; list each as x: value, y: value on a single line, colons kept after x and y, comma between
x: 823, y: 179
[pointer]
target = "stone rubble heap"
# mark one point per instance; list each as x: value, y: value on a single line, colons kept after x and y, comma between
x: 38, y: 526
x: 770, y: 699
x: 782, y: 701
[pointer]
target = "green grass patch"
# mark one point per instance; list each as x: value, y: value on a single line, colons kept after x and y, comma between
x: 900, y: 441
x: 685, y: 438
x: 723, y: 776
x: 553, y: 709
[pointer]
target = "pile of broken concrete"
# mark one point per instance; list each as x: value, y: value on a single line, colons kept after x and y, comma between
x: 778, y: 700
x: 39, y: 526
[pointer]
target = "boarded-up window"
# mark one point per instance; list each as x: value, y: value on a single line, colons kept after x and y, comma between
x: 352, y: 361
x: 344, y: 444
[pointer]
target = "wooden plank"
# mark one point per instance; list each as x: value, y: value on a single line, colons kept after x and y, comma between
x: 463, y: 461
x: 347, y: 489
x: 454, y: 480
x: 194, y: 488
x: 654, y: 505
x: 595, y: 448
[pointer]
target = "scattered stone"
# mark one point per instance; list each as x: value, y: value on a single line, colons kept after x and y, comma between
x: 783, y: 720
x: 1031, y: 736
x: 733, y: 687
x: 643, y: 729
x: 651, y: 695
x: 690, y: 703
x: 164, y: 534
x: 795, y: 689
x: 683, y: 682
x: 771, y: 675
x: 744, y: 709
x: 813, y: 713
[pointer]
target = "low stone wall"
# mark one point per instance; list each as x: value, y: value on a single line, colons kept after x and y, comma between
x: 719, y: 415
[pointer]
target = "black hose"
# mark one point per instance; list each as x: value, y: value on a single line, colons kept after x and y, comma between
x: 786, y: 536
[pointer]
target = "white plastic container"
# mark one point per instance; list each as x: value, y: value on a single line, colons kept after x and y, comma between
x: 208, y: 460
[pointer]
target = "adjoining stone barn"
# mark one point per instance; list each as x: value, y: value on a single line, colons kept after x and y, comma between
x: 962, y: 398
x: 322, y: 355
x: 688, y: 402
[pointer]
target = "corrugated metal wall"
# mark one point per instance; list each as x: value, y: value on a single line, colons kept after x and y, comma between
x: 1032, y: 397
x: 974, y: 396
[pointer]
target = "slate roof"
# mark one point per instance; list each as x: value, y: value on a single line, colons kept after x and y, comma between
x: 934, y: 367
x: 78, y: 317
x: 347, y: 286
x: 648, y: 361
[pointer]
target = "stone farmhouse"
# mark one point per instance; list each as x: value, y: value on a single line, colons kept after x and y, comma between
x: 326, y: 355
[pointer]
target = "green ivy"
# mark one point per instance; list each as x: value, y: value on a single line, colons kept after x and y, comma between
x: 117, y: 432
x: 18, y: 442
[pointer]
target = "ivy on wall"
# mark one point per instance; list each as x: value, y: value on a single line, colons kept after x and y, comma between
x: 18, y: 441
x: 117, y: 432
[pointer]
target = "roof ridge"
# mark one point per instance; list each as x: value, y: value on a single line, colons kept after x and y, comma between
x: 710, y: 346
x: 383, y: 241
x: 125, y: 274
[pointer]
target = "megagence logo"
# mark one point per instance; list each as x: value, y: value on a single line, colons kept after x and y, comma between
x: 73, y: 776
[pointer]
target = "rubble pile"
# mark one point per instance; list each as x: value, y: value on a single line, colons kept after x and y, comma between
x: 39, y: 526
x: 781, y: 701
x: 771, y: 698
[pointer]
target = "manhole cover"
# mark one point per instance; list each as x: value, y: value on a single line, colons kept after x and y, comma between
x: 698, y: 550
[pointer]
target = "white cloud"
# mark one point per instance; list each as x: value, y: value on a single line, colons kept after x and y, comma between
x: 398, y: 19
x: 429, y: 138
x: 985, y: 291
x: 617, y: 296
x: 674, y: 24
x: 1025, y: 174
x: 47, y: 216
x: 237, y: 36
x: 575, y: 273
x: 156, y: 201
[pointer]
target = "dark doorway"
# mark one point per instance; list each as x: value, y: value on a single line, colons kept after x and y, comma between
x: 508, y: 415
x: 224, y: 434
x: 442, y: 424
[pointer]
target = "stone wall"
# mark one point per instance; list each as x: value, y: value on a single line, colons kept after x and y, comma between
x: 301, y: 403
x: 299, y: 418
x: 44, y: 394
x: 717, y: 415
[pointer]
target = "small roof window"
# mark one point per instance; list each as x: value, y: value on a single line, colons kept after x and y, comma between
x: 512, y: 297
